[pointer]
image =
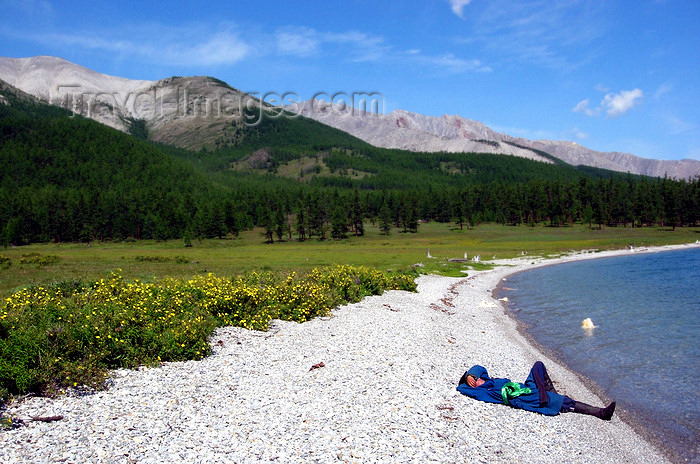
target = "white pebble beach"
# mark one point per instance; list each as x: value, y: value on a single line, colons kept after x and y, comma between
x: 386, y: 393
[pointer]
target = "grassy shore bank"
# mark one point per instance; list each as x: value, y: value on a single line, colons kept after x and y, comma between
x: 55, y: 336
x: 148, y: 260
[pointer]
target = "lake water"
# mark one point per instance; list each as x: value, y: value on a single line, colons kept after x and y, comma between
x: 645, y: 350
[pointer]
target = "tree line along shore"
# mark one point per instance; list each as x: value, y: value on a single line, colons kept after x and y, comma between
x: 73, y: 180
x: 151, y: 210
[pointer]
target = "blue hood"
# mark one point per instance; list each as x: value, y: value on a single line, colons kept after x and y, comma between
x: 477, y: 371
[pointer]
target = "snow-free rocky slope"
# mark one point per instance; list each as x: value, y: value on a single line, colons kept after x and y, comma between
x: 58, y: 81
x: 451, y: 133
x: 192, y: 112
x: 188, y: 112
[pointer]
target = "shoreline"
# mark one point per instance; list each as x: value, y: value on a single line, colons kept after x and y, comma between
x: 386, y: 393
x: 629, y: 417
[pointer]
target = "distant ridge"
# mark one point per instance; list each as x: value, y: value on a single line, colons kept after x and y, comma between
x: 187, y: 112
x: 118, y: 102
x: 451, y: 133
x: 56, y: 81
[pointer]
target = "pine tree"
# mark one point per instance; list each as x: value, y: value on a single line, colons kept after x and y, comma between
x: 339, y: 222
x: 187, y: 237
x: 409, y: 214
x: 357, y: 215
x: 459, y: 213
x: 217, y: 225
x: 385, y: 219
x: 301, y: 222
x: 267, y: 223
x: 280, y: 223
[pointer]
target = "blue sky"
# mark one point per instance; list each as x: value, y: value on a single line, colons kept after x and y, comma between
x: 611, y: 75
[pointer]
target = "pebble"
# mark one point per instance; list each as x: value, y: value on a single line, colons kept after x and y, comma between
x: 386, y: 393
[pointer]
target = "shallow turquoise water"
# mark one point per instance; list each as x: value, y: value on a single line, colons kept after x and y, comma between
x: 645, y: 349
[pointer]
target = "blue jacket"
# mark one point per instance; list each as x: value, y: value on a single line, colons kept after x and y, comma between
x: 490, y: 392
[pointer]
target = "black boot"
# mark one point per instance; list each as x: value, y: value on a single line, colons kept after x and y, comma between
x: 605, y: 413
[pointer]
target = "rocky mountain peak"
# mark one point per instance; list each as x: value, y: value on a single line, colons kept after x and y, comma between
x: 194, y: 111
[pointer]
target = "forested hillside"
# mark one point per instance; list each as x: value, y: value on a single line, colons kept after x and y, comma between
x: 68, y: 179
x: 71, y: 179
x: 341, y: 160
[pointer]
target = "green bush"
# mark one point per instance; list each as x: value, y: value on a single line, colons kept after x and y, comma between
x: 39, y: 260
x: 71, y: 333
x: 153, y: 259
x: 162, y: 259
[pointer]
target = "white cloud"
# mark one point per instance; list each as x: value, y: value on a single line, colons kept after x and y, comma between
x: 446, y: 63
x: 618, y: 104
x: 556, y: 35
x: 222, y: 48
x: 452, y: 63
x: 304, y: 42
x: 582, y: 107
x: 361, y: 47
x: 458, y: 6
x: 190, y: 46
x: 676, y: 125
x: 364, y: 47
x: 579, y: 134
x: 308, y: 42
x: 198, y: 45
x: 663, y: 89
x: 613, y: 104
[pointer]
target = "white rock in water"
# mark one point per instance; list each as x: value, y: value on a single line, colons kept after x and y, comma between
x: 587, y: 323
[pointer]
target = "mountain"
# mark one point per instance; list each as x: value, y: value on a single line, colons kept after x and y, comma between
x: 240, y: 142
x: 410, y: 131
x: 70, y: 178
x: 188, y: 112
x: 204, y: 112
x: 71, y: 86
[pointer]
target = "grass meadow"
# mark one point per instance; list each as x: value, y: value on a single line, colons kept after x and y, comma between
x: 71, y: 312
x: 149, y: 260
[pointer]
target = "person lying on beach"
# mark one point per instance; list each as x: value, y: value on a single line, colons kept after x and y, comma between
x: 536, y: 394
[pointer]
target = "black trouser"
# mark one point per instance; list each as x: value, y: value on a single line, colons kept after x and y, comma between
x: 544, y: 384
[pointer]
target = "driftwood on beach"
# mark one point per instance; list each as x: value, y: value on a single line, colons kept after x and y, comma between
x: 46, y: 418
